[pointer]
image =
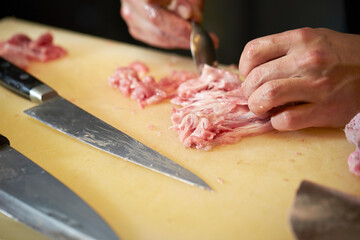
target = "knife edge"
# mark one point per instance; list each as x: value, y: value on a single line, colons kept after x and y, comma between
x: 21, y: 212
x: 43, y: 202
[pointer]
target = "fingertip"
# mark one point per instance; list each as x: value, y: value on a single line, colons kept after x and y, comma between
x: 293, y: 118
x: 256, y: 106
x: 125, y: 10
x: 184, y: 11
x: 245, y: 89
x: 282, y: 122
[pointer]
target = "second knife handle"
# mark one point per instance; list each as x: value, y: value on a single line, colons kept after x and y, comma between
x: 3, y: 141
x: 22, y: 83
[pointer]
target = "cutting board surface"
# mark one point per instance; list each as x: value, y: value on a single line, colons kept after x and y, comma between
x: 254, y: 181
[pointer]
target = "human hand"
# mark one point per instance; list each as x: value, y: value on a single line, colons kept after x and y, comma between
x: 310, y: 76
x: 162, y: 23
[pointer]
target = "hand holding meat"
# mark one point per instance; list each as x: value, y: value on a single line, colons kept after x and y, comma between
x: 313, y: 75
x: 162, y: 23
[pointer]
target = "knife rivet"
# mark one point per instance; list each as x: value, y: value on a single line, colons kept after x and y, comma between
x: 24, y: 76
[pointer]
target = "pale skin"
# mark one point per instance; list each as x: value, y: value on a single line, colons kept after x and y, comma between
x: 318, y: 68
x: 162, y: 23
x: 305, y: 77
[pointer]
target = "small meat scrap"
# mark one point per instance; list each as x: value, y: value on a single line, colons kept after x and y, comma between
x: 139, y: 67
x: 210, y: 109
x: 21, y: 49
x: 352, y: 132
x: 133, y: 82
x: 220, y: 180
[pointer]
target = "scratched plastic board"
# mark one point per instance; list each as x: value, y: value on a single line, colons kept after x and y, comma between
x: 254, y: 181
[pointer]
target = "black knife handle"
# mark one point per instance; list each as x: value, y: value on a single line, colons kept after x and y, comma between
x: 22, y: 83
x: 3, y: 141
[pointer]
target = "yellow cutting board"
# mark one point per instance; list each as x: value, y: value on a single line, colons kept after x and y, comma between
x: 254, y: 181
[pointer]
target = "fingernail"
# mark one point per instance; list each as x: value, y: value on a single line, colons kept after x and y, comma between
x: 172, y: 5
x: 184, y: 11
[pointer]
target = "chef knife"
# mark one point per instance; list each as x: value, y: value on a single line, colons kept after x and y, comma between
x: 34, y: 197
x: 66, y: 117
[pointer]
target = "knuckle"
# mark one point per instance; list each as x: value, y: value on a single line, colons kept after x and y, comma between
x: 315, y: 59
x: 250, y: 49
x: 246, y: 89
x: 305, y: 34
x: 270, y: 90
x: 252, y: 104
x: 255, y: 80
x: 125, y: 11
x: 248, y: 57
x: 255, y: 77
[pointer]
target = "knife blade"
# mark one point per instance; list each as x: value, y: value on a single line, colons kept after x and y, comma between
x: 66, y: 117
x: 34, y: 197
x: 323, y: 213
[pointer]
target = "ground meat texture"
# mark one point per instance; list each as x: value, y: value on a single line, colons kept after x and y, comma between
x: 20, y: 49
x: 209, y: 109
x: 133, y: 82
x: 352, y: 131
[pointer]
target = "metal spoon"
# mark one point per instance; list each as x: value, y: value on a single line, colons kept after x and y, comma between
x: 202, y: 47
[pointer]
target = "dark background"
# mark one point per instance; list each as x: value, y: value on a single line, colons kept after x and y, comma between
x: 234, y: 21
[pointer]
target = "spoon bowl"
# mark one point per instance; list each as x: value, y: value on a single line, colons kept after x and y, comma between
x: 202, y: 47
